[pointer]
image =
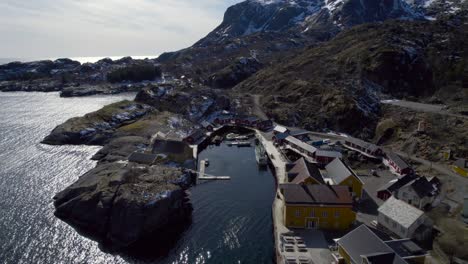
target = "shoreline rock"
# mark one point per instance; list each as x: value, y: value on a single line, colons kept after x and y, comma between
x: 118, y: 203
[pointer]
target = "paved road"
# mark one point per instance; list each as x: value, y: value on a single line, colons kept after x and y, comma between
x: 429, y: 108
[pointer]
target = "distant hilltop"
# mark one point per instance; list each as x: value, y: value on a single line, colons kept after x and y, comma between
x: 79, y: 59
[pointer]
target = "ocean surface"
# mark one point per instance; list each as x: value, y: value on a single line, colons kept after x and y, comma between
x: 80, y: 59
x: 231, y: 219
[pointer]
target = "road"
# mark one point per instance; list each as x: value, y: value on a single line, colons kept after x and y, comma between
x: 420, y: 107
x: 257, y: 109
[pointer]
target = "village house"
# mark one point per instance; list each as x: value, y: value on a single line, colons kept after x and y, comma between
x: 396, y: 164
x: 363, y: 246
x: 317, y: 206
x: 300, y: 147
x: 461, y: 167
x: 365, y: 148
x: 338, y: 173
x: 303, y: 172
x: 195, y: 137
x: 302, y: 135
x: 324, y: 157
x: 280, y: 129
x: 419, y: 192
x: 207, y: 125
x: 404, y: 220
x: 280, y: 138
x: 389, y: 189
x: 265, y: 125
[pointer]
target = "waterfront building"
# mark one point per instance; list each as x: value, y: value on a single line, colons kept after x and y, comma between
x: 365, y: 148
x: 300, y: 134
x: 195, y: 137
x: 317, y: 206
x: 339, y: 173
x: 300, y: 147
x: 363, y: 246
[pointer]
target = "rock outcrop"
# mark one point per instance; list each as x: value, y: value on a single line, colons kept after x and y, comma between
x: 119, y: 204
x: 98, y: 127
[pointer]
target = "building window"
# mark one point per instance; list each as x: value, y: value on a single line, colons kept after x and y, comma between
x: 325, y: 214
x: 298, y: 213
x: 394, y: 224
x: 337, y: 214
x: 312, y: 213
x: 402, y: 229
x: 387, y: 220
x: 404, y: 194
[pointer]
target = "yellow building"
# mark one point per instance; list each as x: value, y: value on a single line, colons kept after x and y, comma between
x: 338, y: 173
x: 461, y: 167
x: 303, y: 172
x: 317, y: 206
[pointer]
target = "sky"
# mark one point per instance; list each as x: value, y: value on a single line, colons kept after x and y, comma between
x: 82, y: 28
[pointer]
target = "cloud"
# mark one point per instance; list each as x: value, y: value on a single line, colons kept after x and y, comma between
x: 69, y: 28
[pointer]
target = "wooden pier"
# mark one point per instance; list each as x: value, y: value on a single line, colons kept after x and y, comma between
x: 201, y: 175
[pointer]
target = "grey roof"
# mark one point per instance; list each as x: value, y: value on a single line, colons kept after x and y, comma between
x: 301, y: 144
x: 462, y: 163
x: 302, y: 170
x: 362, y: 242
x: 406, y: 248
x: 394, y: 185
x: 400, y: 212
x: 316, y: 194
x: 142, y: 158
x: 422, y: 187
x: 397, y: 159
x: 299, y: 132
x: 338, y: 171
x: 329, y: 153
x: 362, y: 143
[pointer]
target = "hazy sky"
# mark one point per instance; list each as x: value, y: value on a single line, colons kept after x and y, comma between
x: 78, y: 28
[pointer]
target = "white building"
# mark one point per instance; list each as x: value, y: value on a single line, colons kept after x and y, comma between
x: 404, y: 220
x: 418, y: 192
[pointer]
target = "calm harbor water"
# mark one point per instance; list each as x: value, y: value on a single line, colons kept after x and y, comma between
x: 231, y: 219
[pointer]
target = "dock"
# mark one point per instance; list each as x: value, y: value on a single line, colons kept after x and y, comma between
x: 201, y: 175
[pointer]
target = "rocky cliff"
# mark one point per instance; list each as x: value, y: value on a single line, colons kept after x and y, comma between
x: 119, y: 204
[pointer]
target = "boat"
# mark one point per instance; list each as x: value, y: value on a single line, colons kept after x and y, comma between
x: 234, y: 136
x: 231, y: 136
x: 260, y: 155
x: 239, y: 143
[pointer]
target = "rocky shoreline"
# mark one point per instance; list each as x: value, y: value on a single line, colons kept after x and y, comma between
x: 122, y: 202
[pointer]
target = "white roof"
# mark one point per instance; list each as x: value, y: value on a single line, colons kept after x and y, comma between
x: 400, y: 212
x: 280, y: 129
x: 301, y: 144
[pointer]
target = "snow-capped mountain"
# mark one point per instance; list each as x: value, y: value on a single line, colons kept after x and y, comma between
x: 253, y: 16
x: 432, y: 8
